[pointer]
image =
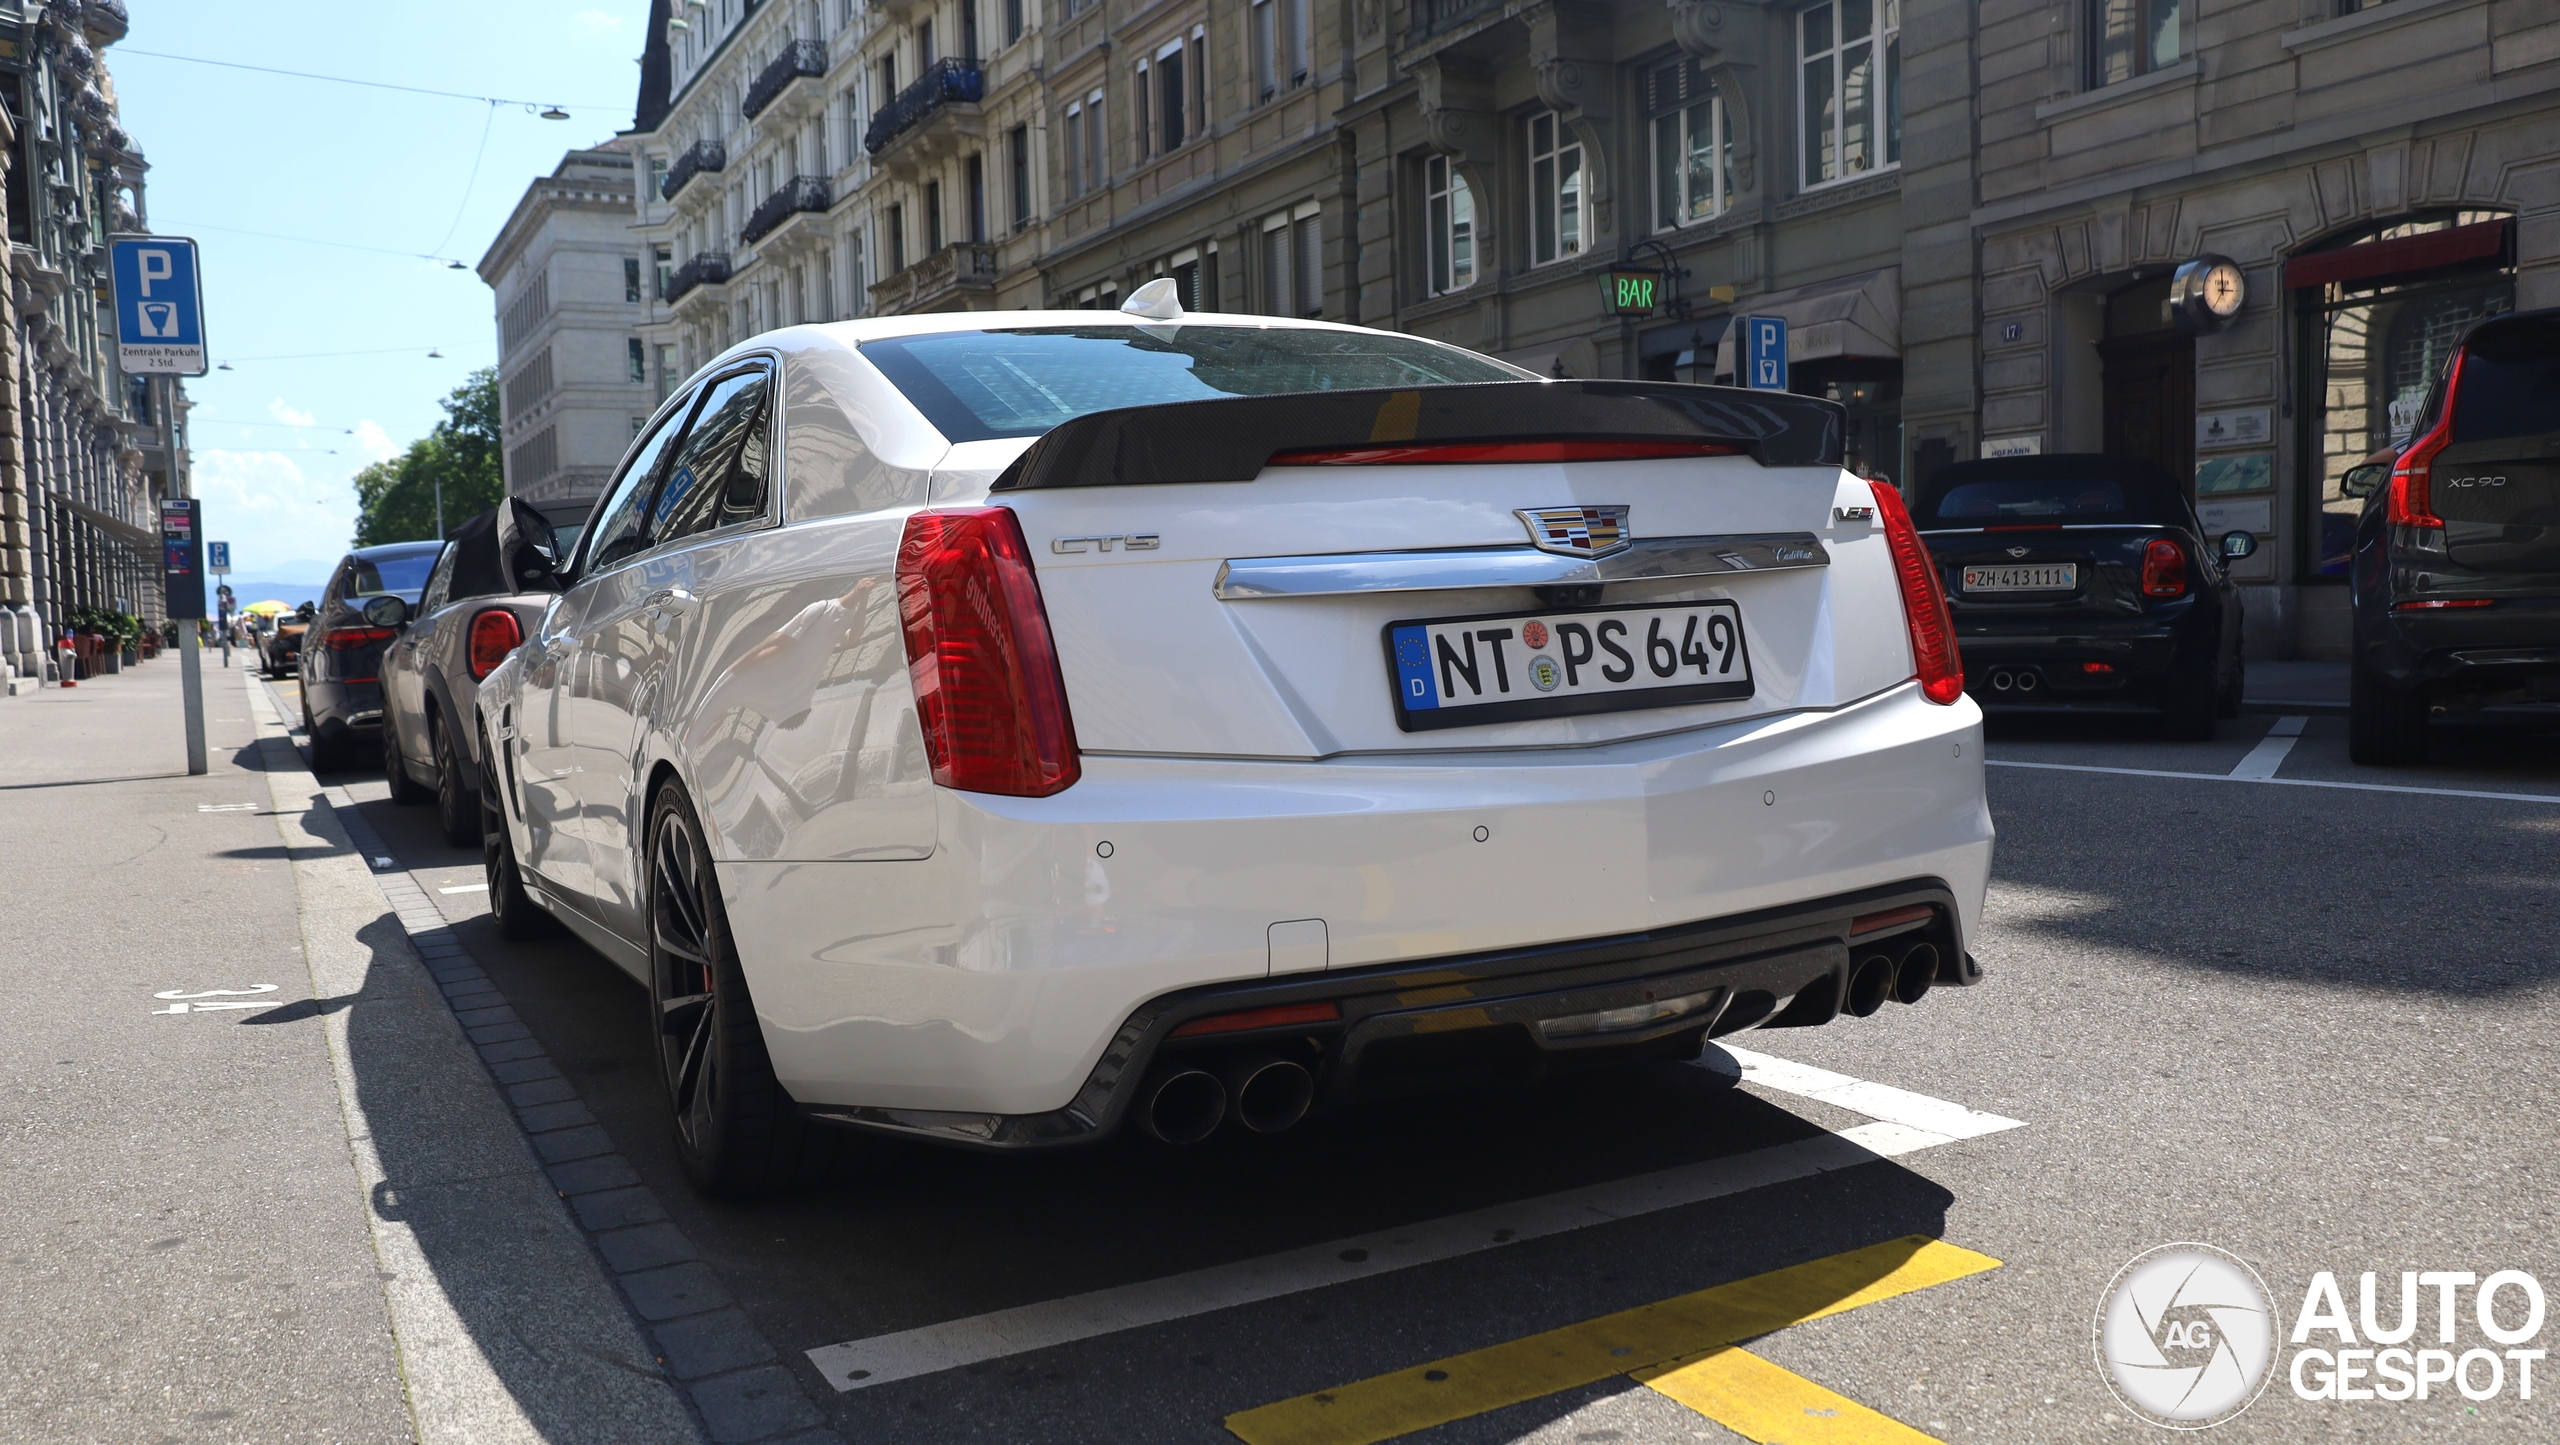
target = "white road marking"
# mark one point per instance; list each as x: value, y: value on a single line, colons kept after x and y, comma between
x: 466, y: 888
x: 180, y: 1008
x: 2277, y: 782
x: 1904, y: 1123
x: 226, y: 807
x: 2268, y: 755
x: 254, y: 988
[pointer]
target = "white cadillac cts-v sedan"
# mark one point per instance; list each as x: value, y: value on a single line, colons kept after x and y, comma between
x: 1008, y: 728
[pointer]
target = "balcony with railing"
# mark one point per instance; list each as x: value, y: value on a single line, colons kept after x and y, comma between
x: 948, y: 276
x: 1438, y: 17
x: 701, y: 156
x: 798, y: 59
x: 950, y: 81
x: 798, y: 194
x: 702, y: 268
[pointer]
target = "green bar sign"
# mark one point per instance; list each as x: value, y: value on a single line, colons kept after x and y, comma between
x: 1633, y: 293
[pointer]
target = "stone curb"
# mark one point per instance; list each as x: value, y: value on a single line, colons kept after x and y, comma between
x: 710, y: 1349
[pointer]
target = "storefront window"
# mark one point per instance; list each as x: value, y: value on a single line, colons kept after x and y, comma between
x: 2372, y: 347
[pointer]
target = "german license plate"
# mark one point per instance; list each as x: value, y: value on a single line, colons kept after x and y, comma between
x: 2040, y: 577
x: 1464, y: 671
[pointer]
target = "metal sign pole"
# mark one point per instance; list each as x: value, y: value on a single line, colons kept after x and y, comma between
x: 190, y: 655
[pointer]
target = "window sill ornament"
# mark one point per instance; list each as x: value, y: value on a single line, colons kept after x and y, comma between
x: 1720, y: 37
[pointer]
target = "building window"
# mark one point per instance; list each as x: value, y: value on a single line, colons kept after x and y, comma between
x: 666, y: 263
x: 1012, y: 21
x: 932, y: 217
x: 897, y: 239
x: 969, y: 30
x: 1146, y: 131
x: 1692, y: 151
x: 630, y: 278
x: 1195, y: 279
x: 1283, y: 40
x: 1293, y: 264
x: 1094, y: 169
x: 1018, y: 152
x: 1075, y: 150
x: 924, y: 45
x: 1850, y: 84
x: 636, y: 362
x: 977, y: 199
x: 1452, y: 224
x: 1555, y: 190
x: 1172, y: 95
x: 666, y: 372
x: 2136, y: 37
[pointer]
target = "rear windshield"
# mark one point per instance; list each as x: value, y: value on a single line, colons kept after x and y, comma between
x: 405, y: 574
x: 978, y: 385
x: 2514, y: 395
x: 1991, y: 502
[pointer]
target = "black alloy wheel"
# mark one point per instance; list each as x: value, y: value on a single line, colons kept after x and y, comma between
x: 517, y: 915
x: 457, y: 801
x: 737, y: 1132
x: 404, y: 789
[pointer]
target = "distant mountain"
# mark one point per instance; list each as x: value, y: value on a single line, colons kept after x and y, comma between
x: 292, y: 584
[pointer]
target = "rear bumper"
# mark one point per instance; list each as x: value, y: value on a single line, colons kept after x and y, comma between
x: 992, y: 977
x: 2506, y: 653
x: 2100, y: 667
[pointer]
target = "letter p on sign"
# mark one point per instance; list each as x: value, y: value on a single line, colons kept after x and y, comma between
x: 153, y: 266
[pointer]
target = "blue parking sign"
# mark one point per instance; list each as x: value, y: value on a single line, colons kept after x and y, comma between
x: 1764, y: 353
x: 159, y: 305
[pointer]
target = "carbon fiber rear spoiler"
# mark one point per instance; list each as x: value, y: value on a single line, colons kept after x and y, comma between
x: 1231, y: 439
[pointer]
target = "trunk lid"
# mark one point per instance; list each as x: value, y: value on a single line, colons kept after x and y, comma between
x: 2496, y: 483
x: 1254, y: 619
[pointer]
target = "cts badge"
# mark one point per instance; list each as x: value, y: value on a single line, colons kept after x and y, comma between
x: 1577, y: 531
x: 1128, y: 542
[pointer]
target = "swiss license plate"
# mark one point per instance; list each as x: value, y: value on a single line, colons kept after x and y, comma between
x: 2039, y: 577
x: 1464, y: 671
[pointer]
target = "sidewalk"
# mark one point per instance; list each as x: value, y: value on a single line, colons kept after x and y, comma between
x: 287, y: 1203
x: 2296, y: 687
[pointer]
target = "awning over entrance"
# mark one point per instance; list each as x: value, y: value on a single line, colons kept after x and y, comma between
x: 2423, y: 252
x: 1849, y: 316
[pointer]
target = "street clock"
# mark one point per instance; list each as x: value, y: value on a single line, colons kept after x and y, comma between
x: 2206, y: 293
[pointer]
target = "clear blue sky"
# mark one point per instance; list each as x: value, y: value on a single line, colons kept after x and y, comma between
x: 232, y: 151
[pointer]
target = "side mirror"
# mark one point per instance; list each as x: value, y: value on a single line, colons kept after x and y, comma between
x: 2236, y: 545
x: 385, y: 609
x: 2363, y: 481
x: 528, y: 550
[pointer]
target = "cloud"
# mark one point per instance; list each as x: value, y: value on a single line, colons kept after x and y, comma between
x: 598, y: 22
x: 288, y: 415
x: 375, y: 443
x: 270, y: 512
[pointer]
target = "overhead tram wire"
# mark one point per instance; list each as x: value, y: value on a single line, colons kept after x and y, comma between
x: 536, y: 106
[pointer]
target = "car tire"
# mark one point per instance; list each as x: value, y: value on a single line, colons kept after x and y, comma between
x: 2386, y: 727
x: 326, y: 756
x: 457, y: 802
x: 2235, y: 691
x: 510, y: 907
x: 404, y: 789
x: 2187, y: 711
x: 737, y: 1132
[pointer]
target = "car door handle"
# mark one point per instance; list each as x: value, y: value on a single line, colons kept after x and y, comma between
x: 671, y: 599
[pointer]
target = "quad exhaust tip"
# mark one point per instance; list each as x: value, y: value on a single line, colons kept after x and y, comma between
x: 1185, y: 1107
x: 1269, y: 1093
x: 1870, y: 984
x: 1919, y: 970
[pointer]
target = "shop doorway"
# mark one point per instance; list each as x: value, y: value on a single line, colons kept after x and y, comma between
x: 2147, y: 370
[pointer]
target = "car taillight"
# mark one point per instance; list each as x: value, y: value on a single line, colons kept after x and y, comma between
x: 988, y: 694
x: 2407, y: 503
x: 2439, y: 604
x: 2164, y: 569
x: 494, y: 634
x: 348, y: 639
x: 1924, y: 603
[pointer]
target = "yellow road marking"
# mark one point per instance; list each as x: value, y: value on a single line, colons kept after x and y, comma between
x: 1761, y: 1401
x: 1663, y: 1333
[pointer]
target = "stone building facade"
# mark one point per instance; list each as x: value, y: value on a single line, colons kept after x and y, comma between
x: 2382, y: 173
x: 574, y: 373
x: 1968, y: 211
x: 82, y: 467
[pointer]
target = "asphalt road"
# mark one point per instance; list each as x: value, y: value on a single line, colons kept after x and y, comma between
x: 2309, y: 1025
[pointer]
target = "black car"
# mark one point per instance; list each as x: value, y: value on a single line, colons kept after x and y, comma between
x: 2085, y: 581
x: 342, y: 653
x: 2456, y: 571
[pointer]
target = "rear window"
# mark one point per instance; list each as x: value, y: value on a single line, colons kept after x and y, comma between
x: 405, y: 574
x: 2507, y: 392
x: 979, y: 385
x: 1993, y: 501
